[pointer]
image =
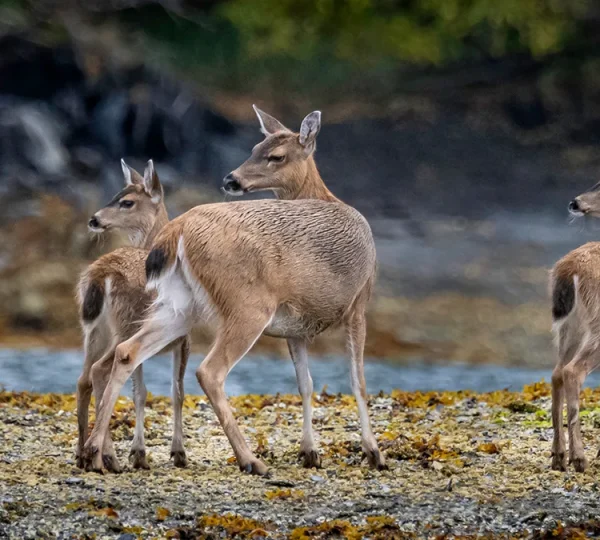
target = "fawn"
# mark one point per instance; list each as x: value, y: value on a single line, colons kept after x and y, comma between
x: 575, y: 289
x: 287, y: 269
x: 113, y: 301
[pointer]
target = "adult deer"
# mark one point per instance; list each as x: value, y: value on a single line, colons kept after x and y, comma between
x: 575, y: 288
x: 284, y: 164
x: 113, y: 302
x: 287, y: 269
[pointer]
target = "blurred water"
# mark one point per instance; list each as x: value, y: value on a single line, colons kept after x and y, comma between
x: 41, y: 370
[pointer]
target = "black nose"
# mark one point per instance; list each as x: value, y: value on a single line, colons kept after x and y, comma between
x: 231, y: 184
x: 574, y: 206
x: 94, y: 223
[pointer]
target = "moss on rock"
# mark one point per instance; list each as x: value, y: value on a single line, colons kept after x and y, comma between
x: 462, y: 465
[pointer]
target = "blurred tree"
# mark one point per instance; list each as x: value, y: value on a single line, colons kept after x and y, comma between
x: 412, y: 31
x: 322, y: 46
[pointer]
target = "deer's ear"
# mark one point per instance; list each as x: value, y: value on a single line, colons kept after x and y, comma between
x: 131, y: 175
x: 152, y: 184
x: 268, y: 124
x: 309, y: 130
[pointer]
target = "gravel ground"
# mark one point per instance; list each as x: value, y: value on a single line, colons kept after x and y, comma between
x: 461, y: 465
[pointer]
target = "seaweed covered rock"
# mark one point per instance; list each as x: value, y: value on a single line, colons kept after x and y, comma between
x: 461, y: 465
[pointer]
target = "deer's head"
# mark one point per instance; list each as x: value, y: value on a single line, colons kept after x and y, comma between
x: 136, y: 209
x: 281, y: 162
x: 586, y: 204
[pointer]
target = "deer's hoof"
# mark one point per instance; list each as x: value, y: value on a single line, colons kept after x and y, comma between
x: 138, y: 459
x: 179, y: 458
x: 92, y: 458
x: 375, y: 459
x: 310, y: 459
x: 111, y: 464
x: 559, y: 462
x: 580, y: 464
x: 256, y: 466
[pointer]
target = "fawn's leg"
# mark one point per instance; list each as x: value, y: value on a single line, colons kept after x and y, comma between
x: 308, y: 451
x: 138, y: 446
x: 559, y: 456
x: 234, y: 339
x: 163, y: 327
x: 574, y: 373
x: 180, y: 360
x: 100, y: 377
x: 93, y: 349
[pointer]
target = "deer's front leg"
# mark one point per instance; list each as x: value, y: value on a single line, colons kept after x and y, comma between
x: 308, y: 450
x: 137, y: 453
x: 180, y: 360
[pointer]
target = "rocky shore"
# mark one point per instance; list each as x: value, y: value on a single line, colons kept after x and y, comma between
x: 466, y: 204
x: 462, y: 465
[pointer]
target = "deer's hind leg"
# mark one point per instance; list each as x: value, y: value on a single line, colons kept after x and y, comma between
x: 308, y: 450
x: 356, y: 329
x: 559, y: 454
x: 584, y: 362
x: 181, y: 354
x: 236, y: 335
x: 100, y: 377
x: 567, y: 342
x: 94, y: 345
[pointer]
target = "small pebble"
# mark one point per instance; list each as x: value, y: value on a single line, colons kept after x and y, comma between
x: 74, y: 480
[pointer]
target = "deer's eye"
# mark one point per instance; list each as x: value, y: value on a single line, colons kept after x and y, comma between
x: 126, y: 204
x: 275, y: 159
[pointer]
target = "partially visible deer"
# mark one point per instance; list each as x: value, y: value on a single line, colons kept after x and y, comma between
x: 113, y: 302
x: 284, y: 163
x: 287, y: 269
x: 575, y: 288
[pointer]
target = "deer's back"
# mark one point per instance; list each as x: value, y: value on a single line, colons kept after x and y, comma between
x: 313, y: 256
x: 583, y: 261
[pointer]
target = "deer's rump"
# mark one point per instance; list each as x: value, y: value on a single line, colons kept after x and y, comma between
x: 117, y: 281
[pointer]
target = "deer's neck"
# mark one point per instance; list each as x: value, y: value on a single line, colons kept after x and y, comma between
x: 310, y: 186
x: 161, y: 220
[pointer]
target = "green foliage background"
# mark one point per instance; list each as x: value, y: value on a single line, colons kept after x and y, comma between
x: 334, y: 45
x: 413, y: 31
x: 360, y: 45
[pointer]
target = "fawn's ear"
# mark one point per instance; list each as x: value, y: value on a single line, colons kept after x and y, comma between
x: 131, y: 175
x: 152, y: 184
x: 309, y: 130
x: 268, y: 124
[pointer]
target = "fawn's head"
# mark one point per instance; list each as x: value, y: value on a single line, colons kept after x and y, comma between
x: 586, y: 204
x: 283, y: 162
x: 137, y: 210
